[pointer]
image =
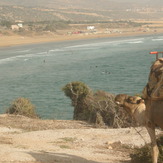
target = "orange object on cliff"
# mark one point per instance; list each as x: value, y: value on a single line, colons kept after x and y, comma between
x: 156, y: 52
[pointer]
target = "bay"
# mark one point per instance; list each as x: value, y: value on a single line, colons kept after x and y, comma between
x: 39, y: 71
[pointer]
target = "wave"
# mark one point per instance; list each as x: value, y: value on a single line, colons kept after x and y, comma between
x: 83, y: 47
x: 54, y: 50
x: 136, y: 42
x: 27, y: 53
x: 99, y: 44
x: 7, y: 60
x: 157, y: 39
x: 25, y: 57
x: 33, y: 55
x: 22, y: 51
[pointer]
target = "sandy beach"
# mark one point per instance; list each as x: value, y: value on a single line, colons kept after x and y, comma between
x: 14, y: 40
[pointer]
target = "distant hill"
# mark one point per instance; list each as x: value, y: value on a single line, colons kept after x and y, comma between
x: 94, y: 4
x: 80, y: 10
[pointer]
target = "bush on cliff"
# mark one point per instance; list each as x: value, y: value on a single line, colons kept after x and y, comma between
x: 95, y: 107
x: 22, y: 106
x: 143, y: 154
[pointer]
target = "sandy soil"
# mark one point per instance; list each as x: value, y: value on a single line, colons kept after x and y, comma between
x: 25, y: 140
x: 13, y: 40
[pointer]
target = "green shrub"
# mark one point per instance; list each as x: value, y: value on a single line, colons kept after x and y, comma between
x: 98, y: 108
x: 76, y: 89
x: 77, y: 92
x: 22, y: 106
x: 143, y: 154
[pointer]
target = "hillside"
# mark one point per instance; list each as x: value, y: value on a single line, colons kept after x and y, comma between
x: 58, y: 18
x: 80, y: 10
x: 89, y: 4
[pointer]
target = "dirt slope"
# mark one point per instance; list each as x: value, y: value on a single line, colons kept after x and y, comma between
x: 24, y: 140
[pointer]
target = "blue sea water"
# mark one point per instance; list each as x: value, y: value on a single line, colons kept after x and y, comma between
x: 39, y: 71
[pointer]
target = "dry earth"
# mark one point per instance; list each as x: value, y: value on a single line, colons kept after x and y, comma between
x: 25, y: 140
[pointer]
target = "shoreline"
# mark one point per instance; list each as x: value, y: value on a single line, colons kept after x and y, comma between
x: 16, y: 40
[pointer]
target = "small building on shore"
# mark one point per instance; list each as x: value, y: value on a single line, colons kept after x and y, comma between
x: 90, y: 27
x: 15, y: 27
x: 18, y: 24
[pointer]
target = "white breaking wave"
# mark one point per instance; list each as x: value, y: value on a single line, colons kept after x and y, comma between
x: 84, y: 46
x: 54, y: 50
x: 25, y: 57
x: 158, y: 39
x: 33, y: 55
x: 136, y: 42
x: 22, y: 51
x: 7, y: 60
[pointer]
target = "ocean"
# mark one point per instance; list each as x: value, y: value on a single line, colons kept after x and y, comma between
x: 39, y: 71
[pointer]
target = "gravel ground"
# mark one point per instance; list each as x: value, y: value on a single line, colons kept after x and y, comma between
x: 25, y: 140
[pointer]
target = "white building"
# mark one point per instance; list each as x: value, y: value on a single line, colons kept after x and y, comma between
x: 20, y: 25
x: 14, y: 27
x: 90, y: 27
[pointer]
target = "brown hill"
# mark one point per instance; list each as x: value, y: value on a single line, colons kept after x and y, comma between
x: 80, y: 10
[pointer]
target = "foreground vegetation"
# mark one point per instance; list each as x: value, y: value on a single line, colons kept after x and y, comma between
x: 143, y: 154
x: 22, y: 106
x: 95, y: 107
x: 99, y: 108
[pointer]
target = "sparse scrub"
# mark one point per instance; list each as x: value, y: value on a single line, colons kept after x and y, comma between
x: 65, y: 147
x: 104, y: 111
x: 98, y: 108
x: 77, y: 92
x: 6, y: 23
x: 69, y: 139
x: 143, y: 154
x: 22, y: 106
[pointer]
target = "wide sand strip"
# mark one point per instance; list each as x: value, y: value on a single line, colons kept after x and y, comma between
x: 13, y: 40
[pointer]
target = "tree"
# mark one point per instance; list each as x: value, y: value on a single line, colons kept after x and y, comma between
x: 6, y: 23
